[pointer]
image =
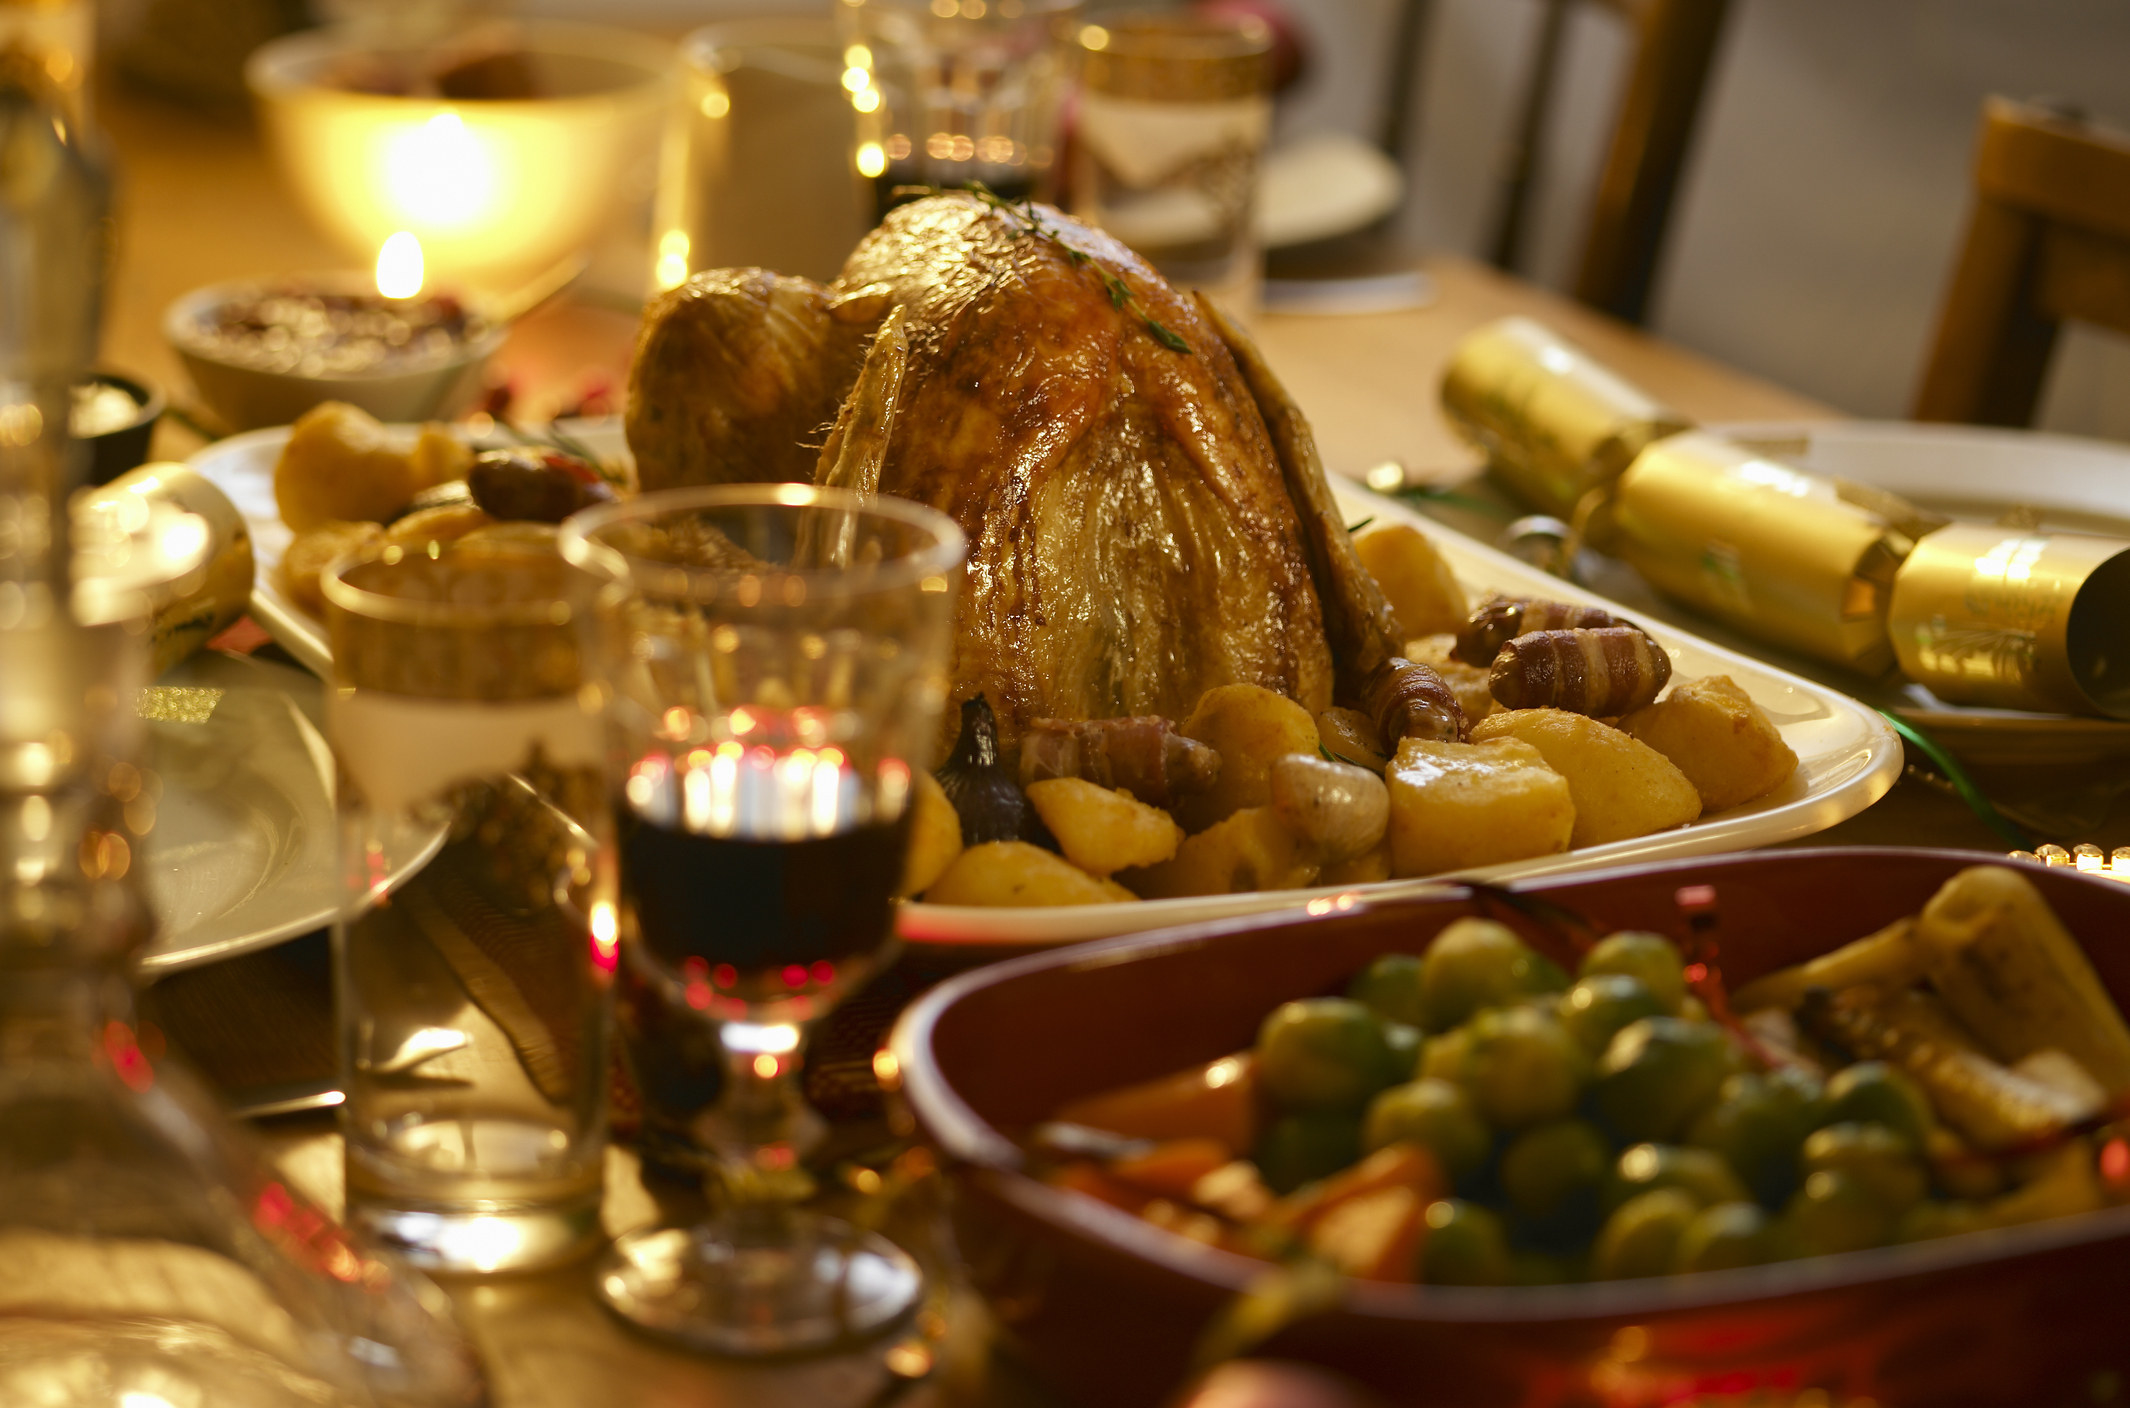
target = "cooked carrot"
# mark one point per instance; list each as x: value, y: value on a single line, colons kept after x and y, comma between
x: 1215, y: 1101
x: 1086, y: 1176
x: 1172, y: 1167
x: 1393, y: 1166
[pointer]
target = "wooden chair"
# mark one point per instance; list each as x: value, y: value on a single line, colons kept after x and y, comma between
x: 2048, y: 242
x: 1674, y: 49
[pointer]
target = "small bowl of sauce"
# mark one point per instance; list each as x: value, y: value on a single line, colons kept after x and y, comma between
x: 264, y: 352
x: 113, y: 417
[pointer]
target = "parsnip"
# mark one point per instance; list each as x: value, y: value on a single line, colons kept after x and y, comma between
x: 2061, y: 1072
x: 2005, y: 964
x: 1984, y: 1100
x: 2066, y: 1184
x: 1889, y: 958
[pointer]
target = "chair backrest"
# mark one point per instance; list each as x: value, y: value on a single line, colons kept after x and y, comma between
x: 2048, y: 242
x: 1674, y: 49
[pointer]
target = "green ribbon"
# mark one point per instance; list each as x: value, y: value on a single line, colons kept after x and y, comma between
x: 1962, y: 784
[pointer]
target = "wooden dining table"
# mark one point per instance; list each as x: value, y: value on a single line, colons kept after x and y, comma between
x: 199, y: 202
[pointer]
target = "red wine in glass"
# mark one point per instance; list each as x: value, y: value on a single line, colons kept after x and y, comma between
x: 758, y: 890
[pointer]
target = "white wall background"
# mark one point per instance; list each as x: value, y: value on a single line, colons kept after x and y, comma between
x: 1826, y: 195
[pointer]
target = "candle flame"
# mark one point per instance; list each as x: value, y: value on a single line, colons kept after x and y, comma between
x: 399, y: 266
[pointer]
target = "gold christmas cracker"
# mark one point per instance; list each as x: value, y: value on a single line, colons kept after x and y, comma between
x: 2017, y: 619
x: 1789, y: 557
x: 178, y: 704
x: 1553, y: 423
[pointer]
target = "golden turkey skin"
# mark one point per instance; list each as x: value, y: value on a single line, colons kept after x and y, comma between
x: 1136, y: 535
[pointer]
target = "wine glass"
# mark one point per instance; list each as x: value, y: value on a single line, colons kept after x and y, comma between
x: 774, y: 687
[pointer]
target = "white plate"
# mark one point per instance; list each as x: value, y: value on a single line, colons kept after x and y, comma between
x: 243, y: 468
x: 1847, y: 755
x: 1968, y: 472
x: 241, y: 855
x: 1318, y: 187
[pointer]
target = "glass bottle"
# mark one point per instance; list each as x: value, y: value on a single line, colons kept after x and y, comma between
x: 146, y: 1259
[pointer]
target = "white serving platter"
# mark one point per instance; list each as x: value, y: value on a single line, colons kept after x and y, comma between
x: 1848, y: 756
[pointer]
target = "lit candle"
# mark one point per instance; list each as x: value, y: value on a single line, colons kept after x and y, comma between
x: 399, y: 266
x: 2087, y: 858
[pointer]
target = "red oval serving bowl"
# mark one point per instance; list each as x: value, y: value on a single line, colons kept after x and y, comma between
x: 1109, y: 1308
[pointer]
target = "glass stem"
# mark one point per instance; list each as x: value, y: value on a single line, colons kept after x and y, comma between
x: 761, y: 1127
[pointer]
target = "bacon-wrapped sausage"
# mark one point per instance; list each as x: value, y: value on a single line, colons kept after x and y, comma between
x: 1411, y: 700
x: 1500, y: 619
x: 1603, y: 673
x: 1143, y: 755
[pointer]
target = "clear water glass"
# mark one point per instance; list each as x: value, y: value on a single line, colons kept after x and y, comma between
x: 758, y: 166
x: 1174, y: 113
x: 950, y: 93
x: 474, y: 962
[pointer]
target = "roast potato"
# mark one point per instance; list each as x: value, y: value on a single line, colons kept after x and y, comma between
x: 1714, y: 733
x: 1622, y: 787
x: 935, y: 836
x: 1458, y: 805
x: 1101, y: 830
x: 1423, y: 593
x: 1249, y: 726
x: 340, y: 462
x: 317, y: 549
x: 1251, y: 850
x: 1017, y: 875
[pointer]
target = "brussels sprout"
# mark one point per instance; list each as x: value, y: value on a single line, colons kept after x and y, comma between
x: 1545, y: 977
x: 1872, y: 1092
x: 1406, y: 1042
x: 1642, y: 1237
x: 1528, y: 1267
x: 1834, y: 1212
x: 1436, y: 1115
x: 1703, y: 1176
x: 1723, y: 1237
x: 1652, y: 958
x: 1522, y: 1067
x: 1928, y: 1220
x: 1465, y: 1246
x: 1758, y: 1124
x: 1800, y: 1091
x: 1551, y: 1173
x: 1391, y: 987
x: 1597, y: 1007
x: 1473, y: 964
x: 1324, y: 1053
x: 1882, y: 1161
x: 1661, y: 1072
x: 1298, y: 1149
x: 1442, y: 1057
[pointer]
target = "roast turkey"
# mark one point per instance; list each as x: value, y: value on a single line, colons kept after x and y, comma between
x: 1146, y: 512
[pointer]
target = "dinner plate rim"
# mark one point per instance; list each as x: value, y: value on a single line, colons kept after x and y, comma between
x: 168, y: 954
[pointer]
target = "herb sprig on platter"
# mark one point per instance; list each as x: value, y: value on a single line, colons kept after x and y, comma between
x: 1023, y: 212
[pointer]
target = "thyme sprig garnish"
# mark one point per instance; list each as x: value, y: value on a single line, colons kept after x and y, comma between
x: 1024, y: 212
